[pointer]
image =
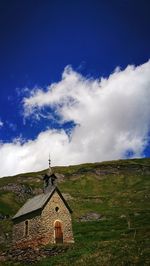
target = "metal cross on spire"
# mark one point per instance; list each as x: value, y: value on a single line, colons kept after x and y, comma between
x: 49, y: 161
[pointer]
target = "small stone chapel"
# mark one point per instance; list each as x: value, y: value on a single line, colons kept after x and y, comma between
x: 43, y: 219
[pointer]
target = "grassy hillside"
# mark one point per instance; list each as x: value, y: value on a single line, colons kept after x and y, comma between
x: 110, y: 203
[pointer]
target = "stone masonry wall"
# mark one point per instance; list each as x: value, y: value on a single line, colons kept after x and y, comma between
x: 50, y: 216
x: 34, y: 232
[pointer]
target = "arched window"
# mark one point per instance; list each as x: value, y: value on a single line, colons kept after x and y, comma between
x: 57, y: 209
x: 26, y: 228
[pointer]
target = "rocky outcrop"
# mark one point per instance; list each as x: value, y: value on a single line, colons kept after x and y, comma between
x: 3, y: 216
x: 102, y: 169
x: 30, y: 255
x: 17, y: 188
x: 91, y: 216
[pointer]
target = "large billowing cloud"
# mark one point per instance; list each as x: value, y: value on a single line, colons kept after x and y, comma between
x: 111, y: 117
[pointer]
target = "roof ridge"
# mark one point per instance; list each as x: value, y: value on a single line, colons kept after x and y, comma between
x: 33, y: 204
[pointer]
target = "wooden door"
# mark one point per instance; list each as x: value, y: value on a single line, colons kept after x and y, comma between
x: 58, y: 232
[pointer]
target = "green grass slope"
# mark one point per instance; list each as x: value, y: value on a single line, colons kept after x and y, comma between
x: 117, y: 192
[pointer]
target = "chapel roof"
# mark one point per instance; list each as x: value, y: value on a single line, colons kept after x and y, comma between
x: 38, y: 202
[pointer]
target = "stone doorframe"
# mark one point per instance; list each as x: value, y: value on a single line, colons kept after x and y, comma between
x: 58, y: 233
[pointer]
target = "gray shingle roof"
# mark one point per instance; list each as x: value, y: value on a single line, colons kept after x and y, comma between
x: 34, y: 204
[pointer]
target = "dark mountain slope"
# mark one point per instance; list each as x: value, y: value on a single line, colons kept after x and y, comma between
x: 110, y: 202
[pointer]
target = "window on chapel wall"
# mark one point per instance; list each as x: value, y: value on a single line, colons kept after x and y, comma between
x: 26, y: 228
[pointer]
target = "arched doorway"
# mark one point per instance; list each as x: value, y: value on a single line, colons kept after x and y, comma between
x: 58, y: 232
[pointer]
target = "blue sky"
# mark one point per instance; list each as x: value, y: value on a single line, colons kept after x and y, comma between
x: 39, y: 39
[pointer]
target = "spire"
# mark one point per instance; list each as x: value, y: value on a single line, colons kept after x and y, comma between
x: 49, y: 178
x: 49, y: 163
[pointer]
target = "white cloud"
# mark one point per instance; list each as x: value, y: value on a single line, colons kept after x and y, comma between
x: 112, y: 117
x: 20, y: 156
x: 1, y: 123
